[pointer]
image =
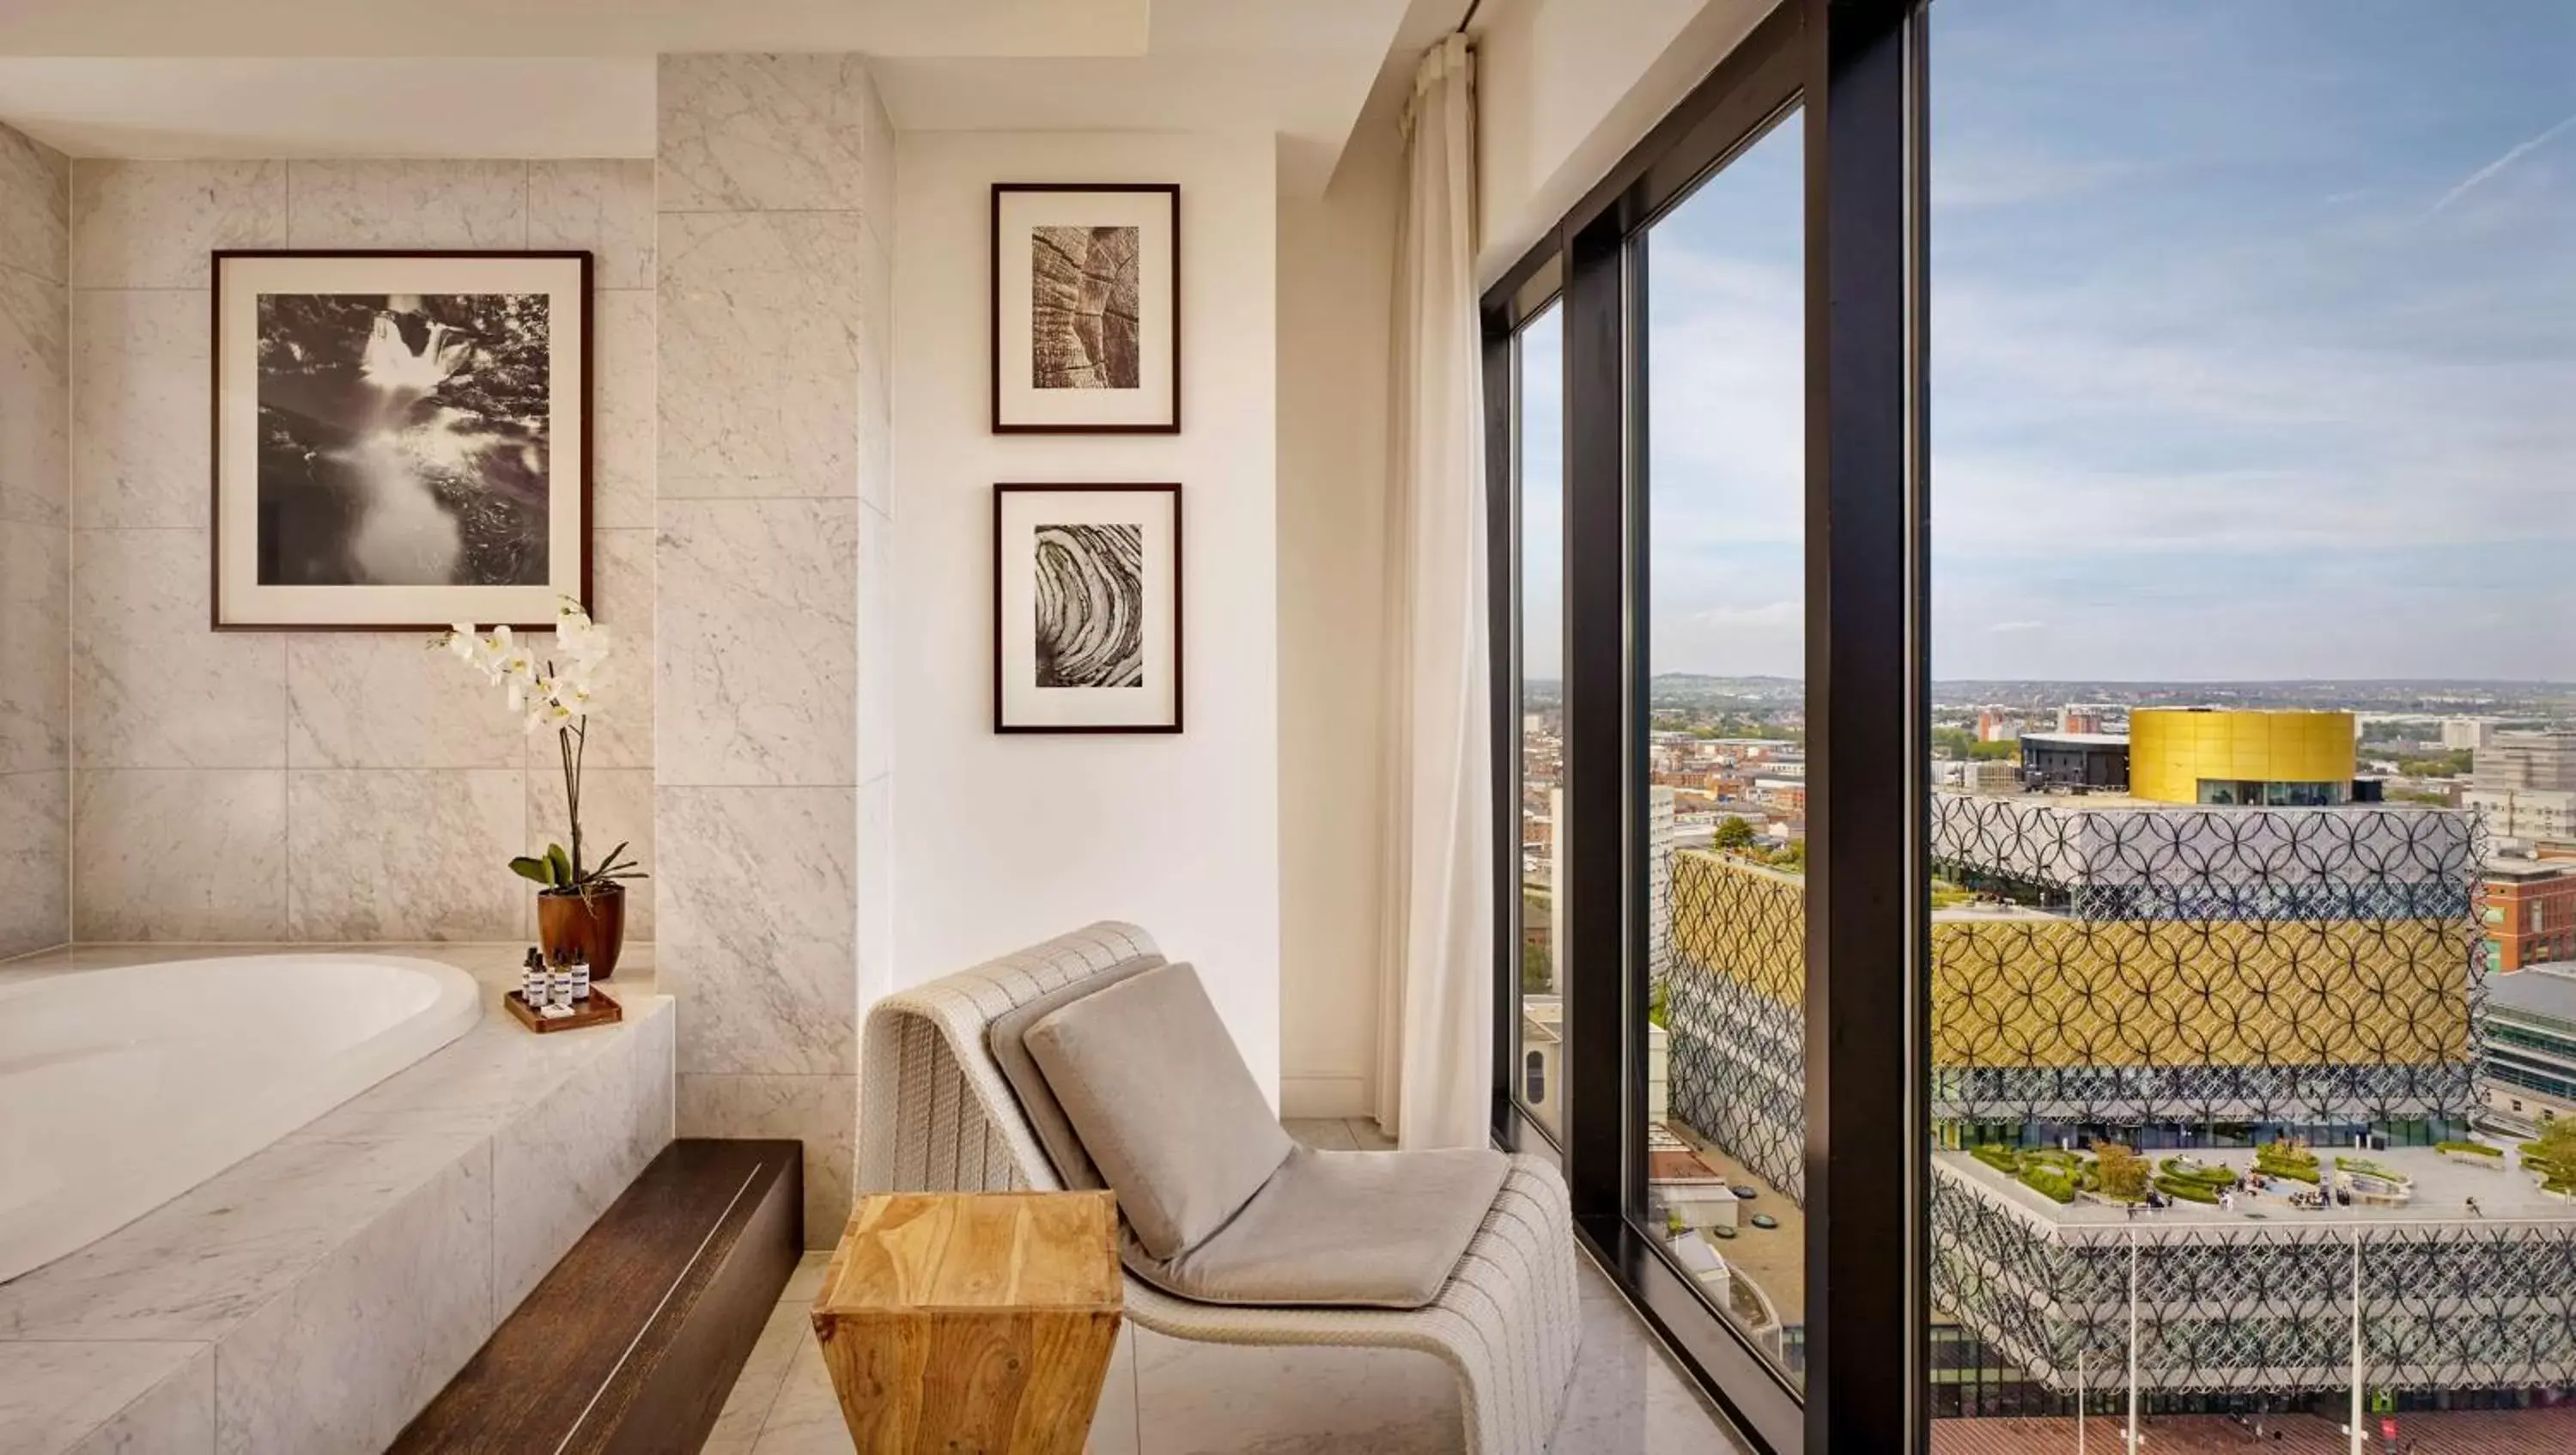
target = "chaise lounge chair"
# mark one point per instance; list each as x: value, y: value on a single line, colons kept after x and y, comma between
x: 938, y: 1112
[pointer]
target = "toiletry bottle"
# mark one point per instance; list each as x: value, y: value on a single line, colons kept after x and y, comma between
x: 580, y: 980
x: 559, y: 984
x: 533, y: 980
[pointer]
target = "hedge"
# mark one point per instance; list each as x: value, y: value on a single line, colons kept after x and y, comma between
x: 2205, y: 1176
x: 2049, y: 1183
x: 2186, y: 1189
x: 1999, y: 1158
x: 2479, y: 1149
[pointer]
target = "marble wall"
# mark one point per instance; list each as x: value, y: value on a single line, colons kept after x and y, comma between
x: 320, y: 786
x: 775, y: 190
x: 35, y: 544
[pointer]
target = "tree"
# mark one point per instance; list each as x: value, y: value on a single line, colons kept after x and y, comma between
x: 2123, y: 1172
x: 1732, y: 833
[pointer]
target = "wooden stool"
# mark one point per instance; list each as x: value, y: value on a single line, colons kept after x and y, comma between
x: 972, y: 1322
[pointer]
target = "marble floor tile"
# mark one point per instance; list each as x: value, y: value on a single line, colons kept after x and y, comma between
x: 806, y: 1283
x: 755, y: 1389
x: 53, y: 1396
x: 1330, y: 1134
x: 1216, y: 1399
x: 1368, y: 1136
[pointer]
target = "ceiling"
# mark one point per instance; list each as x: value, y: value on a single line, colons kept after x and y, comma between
x: 556, y: 78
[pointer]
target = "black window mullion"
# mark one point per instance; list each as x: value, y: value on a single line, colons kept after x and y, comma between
x: 1868, y: 1131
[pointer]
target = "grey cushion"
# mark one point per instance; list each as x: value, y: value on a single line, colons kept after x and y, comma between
x: 1163, y: 1103
x: 1374, y: 1229
x: 1007, y: 1039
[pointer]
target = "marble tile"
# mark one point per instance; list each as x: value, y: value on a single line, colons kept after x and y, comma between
x: 1368, y: 1136
x: 407, y: 204
x: 806, y: 1283
x: 746, y: 133
x: 362, y: 700
x: 1116, y: 1428
x: 805, y: 1418
x: 35, y: 646
x: 202, y: 1264
x: 654, y: 1066
x: 343, y: 1359
x: 179, y: 854
x: 760, y: 334
x: 820, y: 1111
x: 477, y: 1085
x: 755, y: 923
x: 35, y: 860
x: 756, y: 656
x: 35, y: 398
x: 603, y: 205
x: 151, y: 686
x: 1203, y: 1399
x: 877, y: 166
x: 556, y: 1168
x: 621, y: 600
x: 140, y: 451
x: 876, y: 375
x: 147, y: 1397
x: 153, y: 224
x: 1626, y: 1397
x: 1330, y: 1134
x: 625, y: 378
x: 177, y: 1416
x: 406, y: 853
x: 616, y: 807
x: 35, y: 205
x: 755, y: 1389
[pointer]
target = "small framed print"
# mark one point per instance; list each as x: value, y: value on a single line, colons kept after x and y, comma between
x: 401, y: 439
x: 1086, y: 608
x: 1086, y: 308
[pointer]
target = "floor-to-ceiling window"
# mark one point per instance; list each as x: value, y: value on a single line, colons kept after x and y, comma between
x: 1708, y: 533
x: 1721, y: 790
x: 2252, y: 331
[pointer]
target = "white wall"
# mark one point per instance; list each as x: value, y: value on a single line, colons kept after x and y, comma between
x: 1336, y: 261
x: 1003, y: 841
x: 1566, y: 87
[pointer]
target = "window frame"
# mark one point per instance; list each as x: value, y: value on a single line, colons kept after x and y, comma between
x: 1854, y: 69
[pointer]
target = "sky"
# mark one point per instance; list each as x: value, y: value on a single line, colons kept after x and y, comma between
x: 2252, y: 352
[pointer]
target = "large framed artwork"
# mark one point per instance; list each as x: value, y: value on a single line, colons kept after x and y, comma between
x: 1086, y: 608
x: 401, y: 439
x: 1086, y: 308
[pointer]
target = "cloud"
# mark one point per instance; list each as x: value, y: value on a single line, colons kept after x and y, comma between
x: 2512, y: 154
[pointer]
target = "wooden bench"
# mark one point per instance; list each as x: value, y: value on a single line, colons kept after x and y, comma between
x: 632, y: 1342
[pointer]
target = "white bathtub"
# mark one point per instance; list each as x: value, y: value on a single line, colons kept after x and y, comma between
x: 123, y: 1088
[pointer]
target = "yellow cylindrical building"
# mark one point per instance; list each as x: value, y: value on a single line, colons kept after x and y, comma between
x: 2227, y: 756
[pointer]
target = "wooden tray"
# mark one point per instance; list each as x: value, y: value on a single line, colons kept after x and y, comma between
x: 599, y: 1010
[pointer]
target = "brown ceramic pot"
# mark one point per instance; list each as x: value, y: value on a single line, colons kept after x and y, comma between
x: 591, y: 925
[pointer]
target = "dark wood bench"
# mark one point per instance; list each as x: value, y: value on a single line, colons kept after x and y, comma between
x: 632, y: 1342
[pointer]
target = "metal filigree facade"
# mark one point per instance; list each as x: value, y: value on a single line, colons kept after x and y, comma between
x: 2150, y: 966
x: 2258, y: 1307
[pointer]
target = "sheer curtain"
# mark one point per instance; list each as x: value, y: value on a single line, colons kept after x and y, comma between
x: 1435, y: 1026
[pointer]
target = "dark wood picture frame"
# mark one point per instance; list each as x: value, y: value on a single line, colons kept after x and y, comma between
x: 215, y: 426
x: 1180, y: 640
x: 993, y: 306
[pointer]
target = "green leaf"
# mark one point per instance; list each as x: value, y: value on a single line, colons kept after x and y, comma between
x: 529, y: 867
x: 558, y: 866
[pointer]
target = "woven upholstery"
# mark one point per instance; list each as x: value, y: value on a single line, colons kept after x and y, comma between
x: 935, y: 1115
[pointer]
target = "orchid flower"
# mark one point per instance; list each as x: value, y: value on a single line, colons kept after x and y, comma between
x: 557, y: 692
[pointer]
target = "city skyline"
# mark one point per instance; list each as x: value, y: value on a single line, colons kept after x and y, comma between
x: 2202, y: 411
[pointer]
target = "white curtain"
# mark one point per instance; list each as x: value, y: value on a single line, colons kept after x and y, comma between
x: 1435, y: 1026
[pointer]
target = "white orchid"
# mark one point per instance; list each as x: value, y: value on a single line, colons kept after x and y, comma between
x: 559, y: 692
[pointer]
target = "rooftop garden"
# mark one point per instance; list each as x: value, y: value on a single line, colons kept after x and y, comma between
x: 2552, y: 1154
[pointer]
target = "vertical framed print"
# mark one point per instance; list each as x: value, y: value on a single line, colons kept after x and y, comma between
x: 1086, y: 308
x: 1086, y: 608
x: 401, y: 439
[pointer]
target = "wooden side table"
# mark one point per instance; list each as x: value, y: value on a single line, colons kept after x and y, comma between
x: 964, y: 1322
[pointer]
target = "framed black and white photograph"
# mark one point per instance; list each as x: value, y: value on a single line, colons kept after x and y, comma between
x: 1086, y: 308
x: 1086, y: 608
x: 401, y: 439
